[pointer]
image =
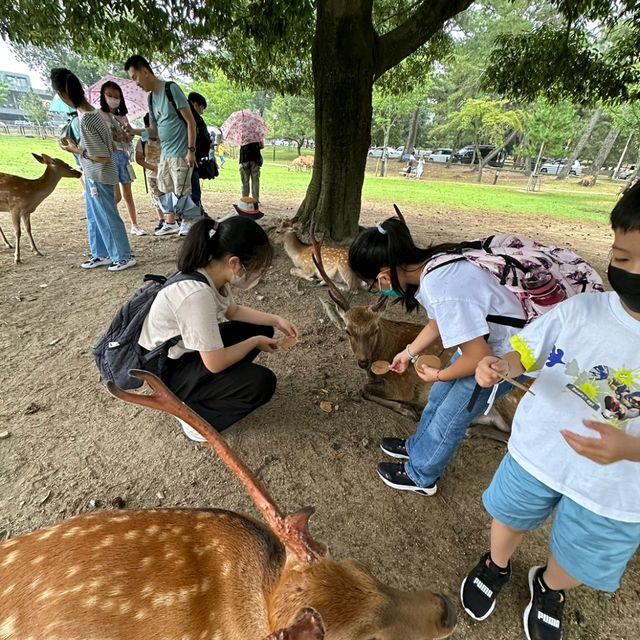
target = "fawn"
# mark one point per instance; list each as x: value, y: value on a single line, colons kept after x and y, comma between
x: 199, y: 573
x: 21, y: 196
x: 336, y: 260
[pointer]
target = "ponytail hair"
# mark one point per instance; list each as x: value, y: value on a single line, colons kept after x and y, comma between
x: 236, y: 236
x: 390, y: 245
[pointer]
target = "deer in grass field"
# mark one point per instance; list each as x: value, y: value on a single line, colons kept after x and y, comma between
x: 199, y: 574
x: 21, y: 196
x: 336, y: 260
x: 373, y: 337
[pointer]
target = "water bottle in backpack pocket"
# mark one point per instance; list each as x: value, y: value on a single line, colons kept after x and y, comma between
x: 541, y: 291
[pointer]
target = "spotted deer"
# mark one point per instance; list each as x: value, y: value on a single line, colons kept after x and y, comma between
x: 336, y: 260
x: 199, y: 573
x: 373, y: 337
x: 21, y: 196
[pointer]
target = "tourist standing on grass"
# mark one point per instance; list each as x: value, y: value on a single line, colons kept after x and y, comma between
x: 250, y: 163
x: 203, y: 144
x: 113, y: 106
x: 171, y: 120
x: 108, y: 240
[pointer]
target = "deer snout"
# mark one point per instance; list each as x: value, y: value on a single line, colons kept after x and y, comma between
x: 449, y: 617
x: 363, y: 364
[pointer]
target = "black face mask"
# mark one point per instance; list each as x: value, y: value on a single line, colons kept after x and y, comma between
x: 627, y: 286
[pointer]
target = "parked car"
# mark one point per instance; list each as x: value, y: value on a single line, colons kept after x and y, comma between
x: 554, y: 167
x: 468, y: 154
x: 376, y: 152
x: 626, y: 173
x: 442, y: 154
x: 22, y: 123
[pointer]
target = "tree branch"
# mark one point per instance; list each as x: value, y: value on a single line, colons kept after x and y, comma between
x: 429, y: 17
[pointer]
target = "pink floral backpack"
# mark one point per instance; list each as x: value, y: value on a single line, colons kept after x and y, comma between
x: 540, y: 276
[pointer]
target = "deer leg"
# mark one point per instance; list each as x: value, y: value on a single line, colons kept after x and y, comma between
x: 296, y: 271
x: 4, y: 238
x: 27, y: 226
x: 15, y: 218
x: 487, y: 431
x: 395, y: 405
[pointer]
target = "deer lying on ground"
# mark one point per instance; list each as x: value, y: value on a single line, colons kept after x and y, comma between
x: 373, y: 338
x: 336, y: 260
x: 21, y: 196
x: 198, y: 573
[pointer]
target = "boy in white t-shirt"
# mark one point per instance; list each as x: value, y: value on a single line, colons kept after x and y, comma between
x: 587, y: 363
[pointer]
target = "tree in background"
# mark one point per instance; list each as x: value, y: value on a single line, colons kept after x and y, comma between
x: 34, y: 108
x: 294, y: 117
x: 486, y: 121
x: 223, y: 98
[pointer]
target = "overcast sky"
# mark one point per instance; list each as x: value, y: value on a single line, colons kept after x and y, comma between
x: 8, y: 62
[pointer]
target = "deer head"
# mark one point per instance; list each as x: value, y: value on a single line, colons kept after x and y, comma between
x: 59, y: 167
x: 308, y: 626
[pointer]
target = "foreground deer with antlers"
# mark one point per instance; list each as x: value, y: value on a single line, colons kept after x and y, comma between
x: 373, y: 338
x: 199, y: 573
x: 21, y: 196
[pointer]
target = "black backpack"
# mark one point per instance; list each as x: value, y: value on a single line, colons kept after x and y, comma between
x: 118, y: 351
x: 208, y: 169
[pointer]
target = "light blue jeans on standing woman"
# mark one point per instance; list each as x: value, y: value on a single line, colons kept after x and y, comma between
x: 105, y: 229
x: 443, y: 425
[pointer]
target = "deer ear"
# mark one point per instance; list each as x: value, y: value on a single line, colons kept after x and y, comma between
x: 39, y: 158
x: 334, y: 313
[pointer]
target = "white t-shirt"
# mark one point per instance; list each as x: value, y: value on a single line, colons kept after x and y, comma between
x: 459, y: 296
x: 190, y: 309
x: 586, y: 354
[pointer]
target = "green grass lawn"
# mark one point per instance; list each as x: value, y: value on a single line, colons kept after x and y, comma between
x: 278, y: 182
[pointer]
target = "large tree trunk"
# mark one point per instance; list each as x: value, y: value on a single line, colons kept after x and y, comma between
x: 410, y: 145
x: 604, y: 152
x: 348, y: 56
x: 343, y: 73
x: 582, y: 143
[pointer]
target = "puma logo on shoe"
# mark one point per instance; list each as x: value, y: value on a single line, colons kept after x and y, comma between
x: 483, y: 587
x: 552, y: 622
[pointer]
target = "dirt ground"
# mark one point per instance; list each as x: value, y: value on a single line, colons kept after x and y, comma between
x: 72, y: 448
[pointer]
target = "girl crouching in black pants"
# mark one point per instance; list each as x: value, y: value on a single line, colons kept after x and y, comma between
x: 211, y: 368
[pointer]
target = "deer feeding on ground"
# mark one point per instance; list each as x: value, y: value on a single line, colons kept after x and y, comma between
x: 373, y: 337
x: 198, y: 574
x: 301, y: 162
x: 20, y: 196
x: 336, y: 260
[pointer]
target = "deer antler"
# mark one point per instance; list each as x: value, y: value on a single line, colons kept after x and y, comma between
x: 335, y: 293
x: 291, y: 530
x: 399, y: 213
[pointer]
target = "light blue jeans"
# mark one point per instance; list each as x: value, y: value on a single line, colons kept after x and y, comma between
x: 443, y: 425
x: 105, y: 229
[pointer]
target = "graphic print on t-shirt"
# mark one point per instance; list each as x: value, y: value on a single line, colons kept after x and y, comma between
x: 613, y: 392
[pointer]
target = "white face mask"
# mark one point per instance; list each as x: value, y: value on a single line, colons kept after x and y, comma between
x: 243, y: 281
x: 114, y: 103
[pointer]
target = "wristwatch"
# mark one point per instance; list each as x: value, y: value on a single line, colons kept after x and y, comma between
x: 193, y: 149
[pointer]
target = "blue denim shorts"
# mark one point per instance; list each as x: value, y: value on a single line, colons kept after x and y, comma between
x: 592, y: 549
x: 122, y: 164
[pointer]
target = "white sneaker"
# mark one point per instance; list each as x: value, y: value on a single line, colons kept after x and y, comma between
x: 137, y: 231
x: 122, y: 265
x: 190, y: 432
x: 92, y: 263
x: 167, y: 229
x: 184, y: 228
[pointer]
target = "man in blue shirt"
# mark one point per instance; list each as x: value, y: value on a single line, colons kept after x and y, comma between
x: 176, y: 130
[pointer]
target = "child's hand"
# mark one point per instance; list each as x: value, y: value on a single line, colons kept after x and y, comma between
x: 490, y: 369
x: 428, y: 374
x: 400, y: 362
x: 613, y: 444
x: 288, y: 328
x: 268, y: 345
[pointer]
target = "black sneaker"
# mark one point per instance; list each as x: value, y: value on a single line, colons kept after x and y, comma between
x: 395, y: 447
x: 159, y: 225
x: 542, y: 618
x: 394, y: 476
x: 481, y: 587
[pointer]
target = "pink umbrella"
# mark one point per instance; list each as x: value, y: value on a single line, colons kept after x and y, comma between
x: 243, y: 127
x: 134, y: 96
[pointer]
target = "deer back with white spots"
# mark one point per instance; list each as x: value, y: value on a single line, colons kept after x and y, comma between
x: 199, y: 574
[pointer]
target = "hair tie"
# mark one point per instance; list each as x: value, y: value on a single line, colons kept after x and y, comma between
x: 212, y: 231
x: 381, y: 230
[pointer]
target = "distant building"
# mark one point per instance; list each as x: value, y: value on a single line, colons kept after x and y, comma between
x: 18, y: 84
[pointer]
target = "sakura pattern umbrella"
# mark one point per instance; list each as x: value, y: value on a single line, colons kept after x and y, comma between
x: 243, y: 127
x: 134, y: 96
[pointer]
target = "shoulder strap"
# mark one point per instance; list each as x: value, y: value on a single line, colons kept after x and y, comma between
x: 167, y: 90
